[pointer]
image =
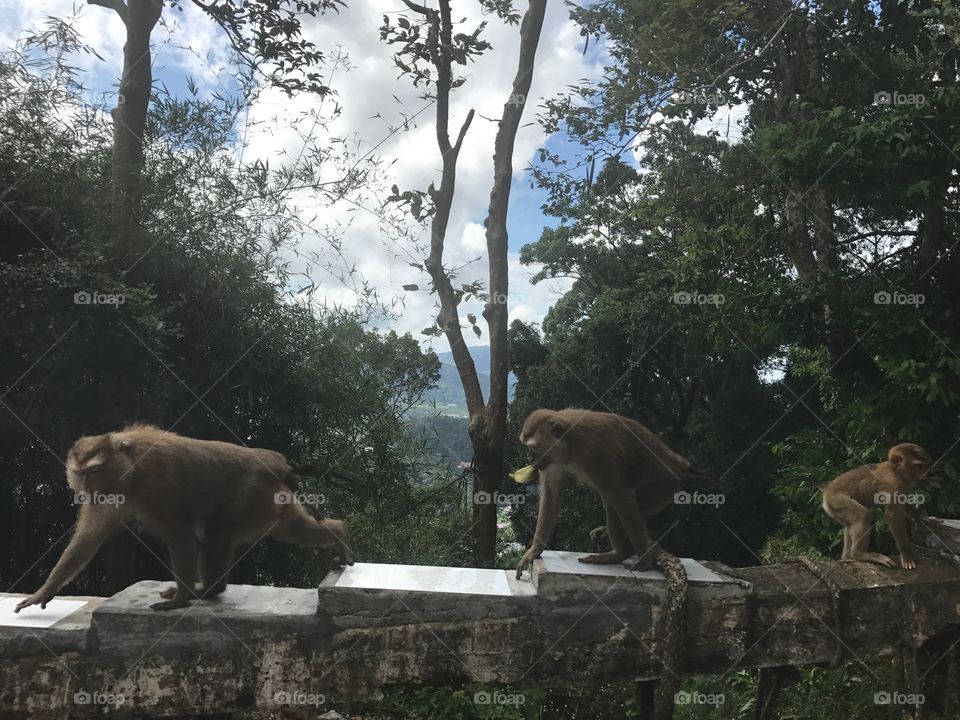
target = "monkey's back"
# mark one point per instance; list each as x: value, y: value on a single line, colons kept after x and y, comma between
x: 204, y: 477
x: 621, y: 445
x: 861, y: 483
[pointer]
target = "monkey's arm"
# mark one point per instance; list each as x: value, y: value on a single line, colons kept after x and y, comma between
x: 917, y: 514
x: 897, y: 520
x: 182, y: 547
x: 551, y: 484
x: 95, y: 523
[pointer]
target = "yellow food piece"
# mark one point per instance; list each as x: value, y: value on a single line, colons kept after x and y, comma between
x: 524, y: 474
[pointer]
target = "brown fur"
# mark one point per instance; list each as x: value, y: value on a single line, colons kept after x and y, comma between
x: 849, y: 498
x: 633, y: 471
x: 203, y: 498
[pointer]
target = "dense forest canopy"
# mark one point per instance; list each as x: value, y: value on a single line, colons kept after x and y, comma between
x: 779, y: 301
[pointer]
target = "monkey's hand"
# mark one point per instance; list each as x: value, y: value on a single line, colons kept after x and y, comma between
x: 527, y: 560
x: 344, y: 556
x: 171, y: 604
x: 41, y: 597
x: 908, y: 562
x: 600, y: 536
x: 342, y: 544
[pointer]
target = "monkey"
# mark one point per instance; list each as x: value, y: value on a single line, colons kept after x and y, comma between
x: 634, y: 472
x: 600, y: 537
x: 849, y: 498
x: 203, y: 498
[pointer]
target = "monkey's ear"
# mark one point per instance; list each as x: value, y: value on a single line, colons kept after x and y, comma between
x: 557, y: 427
x: 120, y: 443
x: 92, y: 464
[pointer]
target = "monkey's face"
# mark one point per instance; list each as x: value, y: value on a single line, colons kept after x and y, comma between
x: 98, y: 463
x: 910, y: 461
x: 543, y: 435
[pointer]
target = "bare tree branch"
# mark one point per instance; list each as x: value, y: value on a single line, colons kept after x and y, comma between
x: 442, y: 25
x: 496, y: 222
x: 117, y: 5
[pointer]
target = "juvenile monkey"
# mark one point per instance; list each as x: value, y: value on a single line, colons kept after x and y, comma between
x: 849, y: 498
x: 633, y: 471
x: 202, y: 498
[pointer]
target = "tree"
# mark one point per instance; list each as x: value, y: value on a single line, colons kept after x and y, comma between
x: 266, y: 32
x: 629, y: 336
x: 430, y: 49
x: 214, y: 345
x: 823, y: 144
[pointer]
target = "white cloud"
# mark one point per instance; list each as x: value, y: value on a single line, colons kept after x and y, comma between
x: 373, y: 99
x: 726, y: 121
x: 474, y: 238
x: 366, y: 94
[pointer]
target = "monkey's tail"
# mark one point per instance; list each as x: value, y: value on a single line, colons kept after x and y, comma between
x: 293, y: 482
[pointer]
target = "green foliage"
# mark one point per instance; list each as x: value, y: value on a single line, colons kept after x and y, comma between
x: 632, y: 336
x: 205, y: 335
x: 836, y: 336
x: 268, y: 37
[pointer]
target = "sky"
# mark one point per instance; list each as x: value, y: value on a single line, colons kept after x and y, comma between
x: 373, y: 99
x: 188, y: 44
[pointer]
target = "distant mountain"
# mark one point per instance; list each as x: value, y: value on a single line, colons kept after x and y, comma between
x: 447, y: 436
x: 448, y: 394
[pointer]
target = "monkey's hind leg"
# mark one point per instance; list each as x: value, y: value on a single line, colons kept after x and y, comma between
x: 860, y: 535
x: 847, y: 544
x: 855, y: 520
x: 624, y: 541
x: 216, y: 558
x: 169, y: 593
x: 878, y: 558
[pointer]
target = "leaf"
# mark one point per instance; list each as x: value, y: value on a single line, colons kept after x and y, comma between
x: 411, y: 287
x: 476, y: 330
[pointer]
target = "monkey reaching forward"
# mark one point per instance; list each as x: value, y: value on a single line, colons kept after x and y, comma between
x: 633, y: 471
x: 849, y: 498
x: 203, y: 498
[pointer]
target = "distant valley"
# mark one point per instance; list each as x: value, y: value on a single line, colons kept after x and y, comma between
x: 443, y: 415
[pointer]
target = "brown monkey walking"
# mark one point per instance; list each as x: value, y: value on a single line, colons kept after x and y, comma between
x: 633, y: 471
x: 203, y: 498
x: 849, y: 498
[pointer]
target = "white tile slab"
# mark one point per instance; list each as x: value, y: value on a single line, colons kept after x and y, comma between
x: 561, y: 561
x: 423, y: 578
x: 33, y: 616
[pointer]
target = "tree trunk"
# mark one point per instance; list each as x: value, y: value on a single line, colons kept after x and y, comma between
x: 489, y: 427
x: 488, y: 469
x: 129, y: 120
x: 487, y: 419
